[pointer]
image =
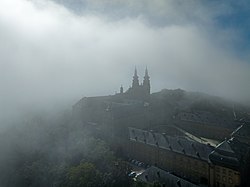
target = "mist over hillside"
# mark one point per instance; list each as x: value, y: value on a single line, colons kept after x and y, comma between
x: 69, y: 113
x: 49, y: 150
x: 55, y: 52
x: 41, y: 152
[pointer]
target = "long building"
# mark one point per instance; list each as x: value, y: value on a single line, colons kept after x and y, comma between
x: 222, y: 166
x: 226, y: 164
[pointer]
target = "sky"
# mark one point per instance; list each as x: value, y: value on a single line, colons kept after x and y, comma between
x: 54, y: 52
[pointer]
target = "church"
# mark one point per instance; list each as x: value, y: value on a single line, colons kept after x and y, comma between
x: 150, y: 128
x: 131, y: 102
x: 138, y: 91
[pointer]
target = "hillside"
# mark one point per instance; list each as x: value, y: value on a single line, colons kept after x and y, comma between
x: 182, y: 101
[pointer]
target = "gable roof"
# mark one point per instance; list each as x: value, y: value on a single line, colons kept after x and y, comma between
x: 225, y: 155
x: 176, y: 144
x: 224, y: 147
x: 153, y: 174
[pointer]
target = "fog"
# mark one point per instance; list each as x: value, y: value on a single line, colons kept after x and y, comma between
x: 54, y: 54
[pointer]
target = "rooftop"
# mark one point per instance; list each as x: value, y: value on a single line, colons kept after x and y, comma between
x: 153, y: 174
x: 176, y: 144
x: 225, y: 155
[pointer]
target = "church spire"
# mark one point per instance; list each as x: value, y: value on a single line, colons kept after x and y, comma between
x: 146, y: 82
x: 146, y: 72
x: 135, y: 73
x: 135, y: 79
x: 121, y: 89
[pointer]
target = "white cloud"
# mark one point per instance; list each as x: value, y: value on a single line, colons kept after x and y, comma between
x: 50, y: 55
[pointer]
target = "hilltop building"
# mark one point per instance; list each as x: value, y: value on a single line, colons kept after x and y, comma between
x: 181, y: 156
x: 226, y: 165
x: 138, y: 91
x: 137, y: 95
x: 125, y: 120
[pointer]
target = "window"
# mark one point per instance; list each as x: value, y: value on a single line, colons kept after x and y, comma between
x: 217, y: 184
x: 224, y: 179
x: 217, y: 169
x: 204, y: 166
x: 218, y: 177
x: 224, y: 171
x: 230, y: 180
x: 203, y: 180
x: 158, y: 174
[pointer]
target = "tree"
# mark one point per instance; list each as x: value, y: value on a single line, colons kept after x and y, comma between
x: 84, y: 175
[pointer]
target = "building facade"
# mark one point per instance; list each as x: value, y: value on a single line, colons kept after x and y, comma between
x: 202, y: 164
x: 183, y: 157
x: 227, y: 164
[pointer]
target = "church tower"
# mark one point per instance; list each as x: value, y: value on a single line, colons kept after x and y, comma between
x: 121, y: 89
x: 135, y: 83
x: 146, y: 82
x: 138, y: 91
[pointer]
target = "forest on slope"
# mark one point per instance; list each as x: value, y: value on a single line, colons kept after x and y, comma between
x: 41, y: 152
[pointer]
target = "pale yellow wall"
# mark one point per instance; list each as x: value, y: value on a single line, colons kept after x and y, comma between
x: 191, y: 168
x: 226, y: 176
